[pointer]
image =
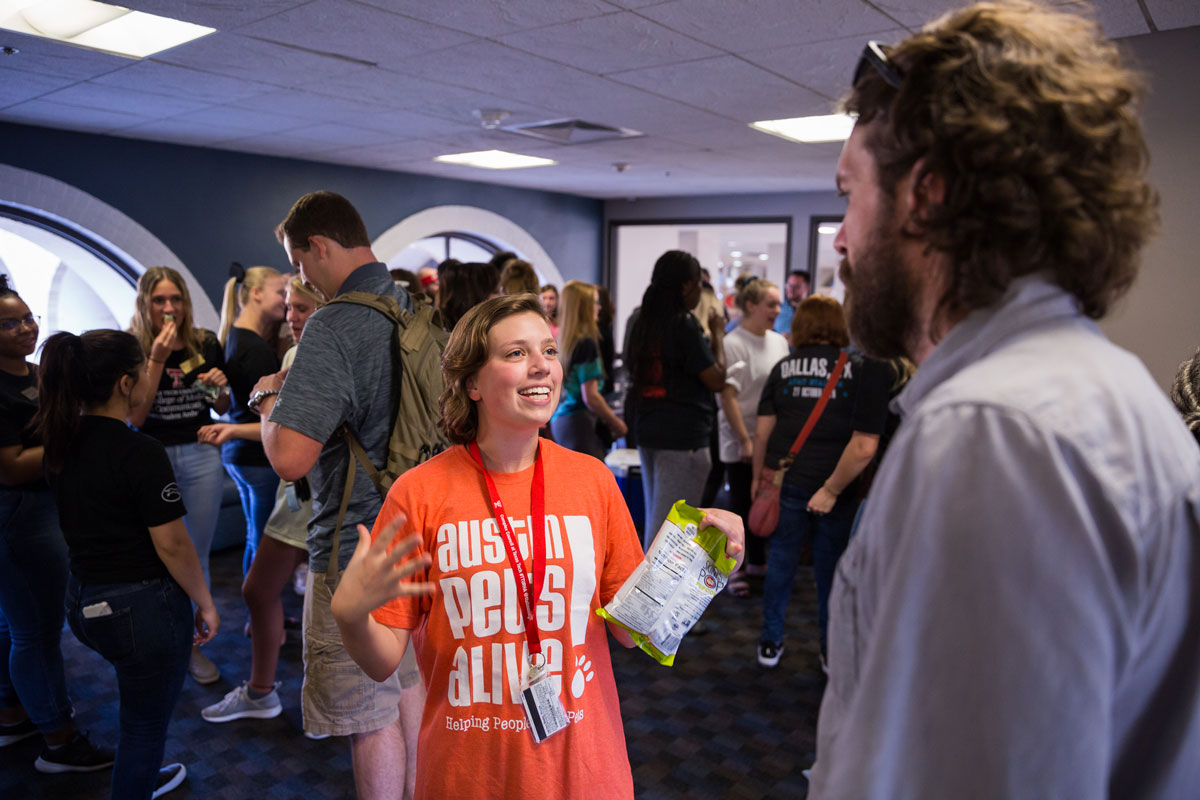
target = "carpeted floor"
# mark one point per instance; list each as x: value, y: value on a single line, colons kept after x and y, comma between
x: 715, y: 725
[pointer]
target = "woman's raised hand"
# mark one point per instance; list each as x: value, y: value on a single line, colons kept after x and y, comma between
x: 378, y: 571
x: 164, y: 343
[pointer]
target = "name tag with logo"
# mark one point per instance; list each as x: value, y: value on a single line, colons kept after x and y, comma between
x: 30, y: 393
x: 192, y: 364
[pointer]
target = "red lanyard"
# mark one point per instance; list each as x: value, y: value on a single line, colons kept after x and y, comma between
x: 537, y: 541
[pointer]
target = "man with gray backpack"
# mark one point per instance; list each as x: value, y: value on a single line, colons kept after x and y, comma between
x: 359, y: 406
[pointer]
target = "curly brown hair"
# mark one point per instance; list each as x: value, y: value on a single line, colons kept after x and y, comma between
x: 1030, y: 118
x: 819, y: 320
x: 467, y: 352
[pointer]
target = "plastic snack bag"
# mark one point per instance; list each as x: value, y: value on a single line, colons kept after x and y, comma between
x: 678, y: 577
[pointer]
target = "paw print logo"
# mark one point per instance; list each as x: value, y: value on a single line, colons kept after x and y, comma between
x: 583, y: 674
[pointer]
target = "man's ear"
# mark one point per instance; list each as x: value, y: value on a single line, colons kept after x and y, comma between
x: 319, y: 246
x: 924, y: 191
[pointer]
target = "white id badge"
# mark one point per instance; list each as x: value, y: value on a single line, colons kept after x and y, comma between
x: 543, y: 709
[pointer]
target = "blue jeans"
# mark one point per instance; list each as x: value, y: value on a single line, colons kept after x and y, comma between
x: 256, y: 487
x: 830, y: 534
x: 33, y: 581
x: 145, y: 632
x: 198, y: 472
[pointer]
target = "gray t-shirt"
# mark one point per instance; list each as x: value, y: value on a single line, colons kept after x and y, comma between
x: 343, y: 373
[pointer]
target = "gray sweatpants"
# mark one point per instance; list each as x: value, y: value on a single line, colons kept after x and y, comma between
x: 667, y: 476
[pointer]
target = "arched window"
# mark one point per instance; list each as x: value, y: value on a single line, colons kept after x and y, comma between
x: 433, y: 250
x: 72, y: 281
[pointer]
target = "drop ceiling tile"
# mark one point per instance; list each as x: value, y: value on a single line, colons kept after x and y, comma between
x: 336, y: 134
x: 913, y: 14
x: 824, y: 67
x: 242, y: 121
x: 273, y: 145
x: 1171, y: 14
x: 74, y: 118
x: 189, y: 132
x: 609, y: 43
x: 491, y: 19
x: 17, y: 86
x: 729, y: 86
x: 758, y: 24
x: 166, y: 79
x: 240, y: 56
x: 410, y: 125
x: 55, y: 58
x: 299, y: 103
x: 115, y: 98
x: 1116, y: 17
x: 498, y: 70
x: 223, y: 15
x: 355, y: 31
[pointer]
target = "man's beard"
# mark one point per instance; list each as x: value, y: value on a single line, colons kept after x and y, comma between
x: 881, y: 297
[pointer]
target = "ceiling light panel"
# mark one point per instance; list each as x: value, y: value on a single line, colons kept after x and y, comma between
x: 825, y: 128
x: 98, y: 26
x: 495, y: 159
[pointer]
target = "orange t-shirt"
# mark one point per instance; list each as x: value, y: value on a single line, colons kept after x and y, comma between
x: 470, y: 637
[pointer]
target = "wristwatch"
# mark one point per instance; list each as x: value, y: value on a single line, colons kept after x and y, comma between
x: 258, y: 397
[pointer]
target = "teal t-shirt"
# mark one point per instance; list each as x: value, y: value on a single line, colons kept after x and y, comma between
x: 584, y: 366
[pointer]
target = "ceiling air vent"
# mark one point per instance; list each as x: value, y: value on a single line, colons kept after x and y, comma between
x: 571, y: 131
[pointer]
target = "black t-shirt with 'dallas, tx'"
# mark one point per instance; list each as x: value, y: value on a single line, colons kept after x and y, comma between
x: 115, y: 485
x: 858, y: 403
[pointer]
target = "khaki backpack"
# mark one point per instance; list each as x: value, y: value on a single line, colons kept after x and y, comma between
x: 415, y: 437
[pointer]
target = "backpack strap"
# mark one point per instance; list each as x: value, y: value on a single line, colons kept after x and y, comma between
x: 389, y: 307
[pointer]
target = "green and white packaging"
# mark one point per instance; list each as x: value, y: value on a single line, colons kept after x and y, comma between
x: 679, y: 576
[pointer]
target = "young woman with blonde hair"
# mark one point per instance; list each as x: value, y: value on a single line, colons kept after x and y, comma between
x: 574, y: 421
x: 252, y: 341
x: 185, y: 365
x: 280, y: 552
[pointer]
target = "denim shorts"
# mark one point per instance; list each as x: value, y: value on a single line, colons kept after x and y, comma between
x: 338, y: 698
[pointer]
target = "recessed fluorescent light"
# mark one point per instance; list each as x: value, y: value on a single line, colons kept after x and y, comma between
x: 828, y: 128
x: 495, y: 159
x: 736, y: 253
x: 762, y: 256
x: 98, y: 26
x: 827, y: 230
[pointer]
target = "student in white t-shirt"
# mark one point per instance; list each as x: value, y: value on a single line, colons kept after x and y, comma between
x: 751, y: 350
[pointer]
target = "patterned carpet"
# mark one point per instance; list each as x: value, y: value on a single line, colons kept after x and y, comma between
x: 715, y: 725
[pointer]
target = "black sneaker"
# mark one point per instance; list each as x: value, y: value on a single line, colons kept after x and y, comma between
x: 169, y: 778
x: 11, y: 734
x: 769, y: 653
x: 77, y: 755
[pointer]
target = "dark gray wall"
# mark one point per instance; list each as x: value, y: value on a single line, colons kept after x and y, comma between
x: 211, y: 207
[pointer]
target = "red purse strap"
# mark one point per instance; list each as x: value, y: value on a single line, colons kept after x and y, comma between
x: 819, y: 408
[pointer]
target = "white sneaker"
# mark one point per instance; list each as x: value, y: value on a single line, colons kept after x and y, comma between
x: 238, y: 704
x: 169, y: 778
x: 316, y: 737
x: 202, y: 669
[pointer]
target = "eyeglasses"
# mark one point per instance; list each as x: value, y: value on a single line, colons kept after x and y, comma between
x: 10, y: 324
x: 873, y: 57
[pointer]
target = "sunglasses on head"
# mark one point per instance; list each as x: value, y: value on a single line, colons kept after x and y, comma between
x: 873, y: 57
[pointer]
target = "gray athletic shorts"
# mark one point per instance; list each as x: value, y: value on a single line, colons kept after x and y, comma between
x: 338, y: 698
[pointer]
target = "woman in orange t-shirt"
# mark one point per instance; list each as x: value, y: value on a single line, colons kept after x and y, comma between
x: 455, y: 581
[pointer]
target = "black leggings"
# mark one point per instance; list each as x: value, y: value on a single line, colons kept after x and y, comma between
x: 739, y: 476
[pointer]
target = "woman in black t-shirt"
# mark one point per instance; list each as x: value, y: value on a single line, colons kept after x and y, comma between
x: 33, y: 567
x: 258, y: 298
x: 675, y: 371
x: 814, y: 499
x: 186, y: 365
x: 133, y: 566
